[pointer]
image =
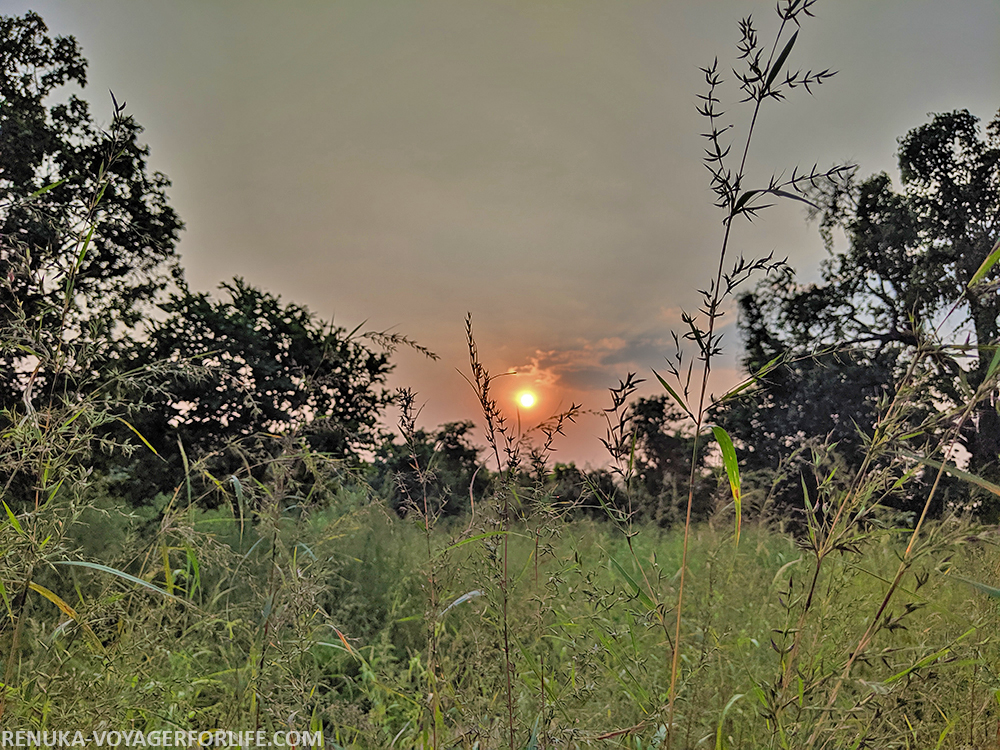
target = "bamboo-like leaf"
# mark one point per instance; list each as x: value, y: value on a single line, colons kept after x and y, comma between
x: 47, y: 188
x: 956, y: 472
x: 987, y: 265
x: 6, y: 600
x: 732, y: 471
x: 673, y: 393
x: 187, y: 469
x: 475, y: 538
x: 461, y: 600
x: 991, y: 370
x: 139, y: 434
x: 70, y: 612
x: 988, y: 590
x: 719, y: 743
x: 754, y: 378
x: 637, y: 591
x: 13, y: 519
x: 168, y: 572
x: 240, y: 502
x: 776, y: 68
x: 743, y: 200
x: 115, y: 572
x: 930, y: 658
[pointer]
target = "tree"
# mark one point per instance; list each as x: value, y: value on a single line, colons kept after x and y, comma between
x: 247, y: 368
x: 86, y: 235
x: 910, y: 259
x: 440, y: 467
x: 663, y: 461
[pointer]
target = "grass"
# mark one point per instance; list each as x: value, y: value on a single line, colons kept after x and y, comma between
x: 342, y: 643
x: 300, y: 602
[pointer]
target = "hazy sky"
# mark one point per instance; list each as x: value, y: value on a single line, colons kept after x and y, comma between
x: 535, y: 163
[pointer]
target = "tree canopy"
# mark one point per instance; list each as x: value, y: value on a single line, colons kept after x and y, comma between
x: 911, y: 255
x: 87, y: 236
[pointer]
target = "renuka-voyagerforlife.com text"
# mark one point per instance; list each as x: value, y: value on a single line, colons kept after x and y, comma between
x: 159, y: 738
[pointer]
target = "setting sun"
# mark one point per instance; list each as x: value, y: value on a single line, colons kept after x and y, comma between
x: 527, y: 400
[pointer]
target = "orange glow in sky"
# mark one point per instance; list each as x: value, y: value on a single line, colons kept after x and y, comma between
x: 526, y: 399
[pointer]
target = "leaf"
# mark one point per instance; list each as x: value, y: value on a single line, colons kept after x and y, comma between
x: 991, y: 370
x: 743, y: 200
x: 956, y: 472
x: 70, y: 612
x: 988, y: 590
x: 732, y: 471
x: 637, y: 591
x: 754, y: 379
x: 6, y: 600
x: 475, y: 538
x: 719, y: 743
x: 47, y: 188
x: 776, y: 68
x: 13, y: 519
x: 930, y: 658
x: 116, y: 572
x: 168, y: 572
x: 986, y: 267
x: 673, y: 393
x: 144, y: 441
x: 461, y: 600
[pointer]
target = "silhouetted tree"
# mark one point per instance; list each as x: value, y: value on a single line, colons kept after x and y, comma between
x: 86, y: 235
x: 251, y: 367
x: 910, y: 259
x: 440, y: 466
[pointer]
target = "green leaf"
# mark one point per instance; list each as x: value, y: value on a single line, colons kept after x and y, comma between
x: 719, y: 743
x: 991, y: 260
x: 956, y: 472
x: 47, y: 188
x: 776, y: 68
x: 6, y: 600
x: 144, y: 441
x: 732, y: 471
x: 70, y: 612
x: 637, y: 591
x: 988, y: 590
x: 991, y: 370
x: 673, y: 393
x: 13, y: 519
x: 116, y: 572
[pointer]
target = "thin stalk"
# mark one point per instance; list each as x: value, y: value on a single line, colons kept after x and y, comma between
x: 713, y: 315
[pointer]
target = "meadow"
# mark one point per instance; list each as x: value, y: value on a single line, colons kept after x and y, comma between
x: 205, y: 527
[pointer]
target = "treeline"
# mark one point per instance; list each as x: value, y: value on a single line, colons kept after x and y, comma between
x: 154, y: 387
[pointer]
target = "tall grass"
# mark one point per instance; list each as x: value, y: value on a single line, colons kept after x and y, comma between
x: 300, y: 602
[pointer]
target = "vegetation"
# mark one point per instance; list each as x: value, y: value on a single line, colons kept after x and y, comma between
x: 208, y: 529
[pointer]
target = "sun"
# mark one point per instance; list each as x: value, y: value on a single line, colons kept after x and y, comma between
x: 526, y: 399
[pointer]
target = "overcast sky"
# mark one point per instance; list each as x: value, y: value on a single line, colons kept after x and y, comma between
x: 534, y: 163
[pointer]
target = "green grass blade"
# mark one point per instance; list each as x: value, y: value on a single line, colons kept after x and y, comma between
x: 47, y: 188
x: 987, y: 265
x: 13, y: 519
x: 673, y: 393
x: 732, y: 471
x: 637, y: 591
x: 956, y: 472
x: 115, y: 572
x: 140, y: 436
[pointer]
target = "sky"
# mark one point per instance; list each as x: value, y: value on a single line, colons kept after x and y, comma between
x: 400, y: 164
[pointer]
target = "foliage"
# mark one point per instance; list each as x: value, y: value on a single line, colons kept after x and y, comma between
x: 79, y: 212
x: 296, y: 604
x: 249, y: 367
x: 910, y: 259
x: 441, y: 465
